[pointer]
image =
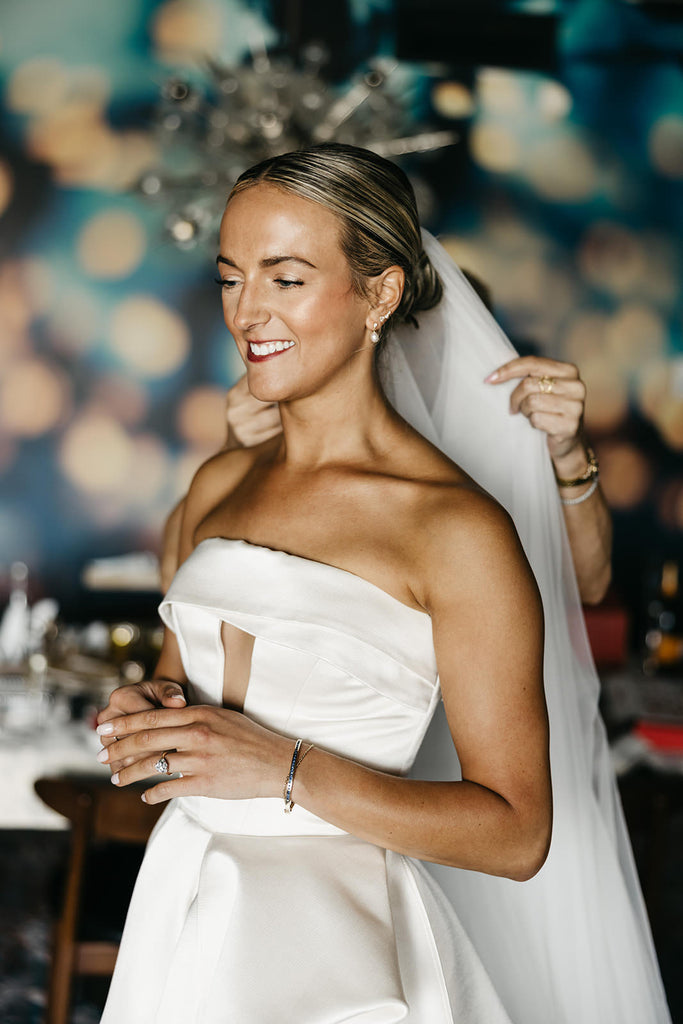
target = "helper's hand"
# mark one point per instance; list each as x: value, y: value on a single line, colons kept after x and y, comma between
x: 551, y: 395
x: 250, y: 421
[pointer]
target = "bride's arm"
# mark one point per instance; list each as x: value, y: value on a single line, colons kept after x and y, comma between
x: 488, y: 635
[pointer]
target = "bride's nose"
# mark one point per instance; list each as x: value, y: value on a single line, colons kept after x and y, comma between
x: 251, y: 309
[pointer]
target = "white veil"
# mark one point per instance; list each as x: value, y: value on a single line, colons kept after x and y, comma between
x: 571, y: 946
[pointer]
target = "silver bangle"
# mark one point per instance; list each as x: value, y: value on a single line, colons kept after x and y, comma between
x: 289, y: 781
x: 582, y: 497
x: 296, y: 761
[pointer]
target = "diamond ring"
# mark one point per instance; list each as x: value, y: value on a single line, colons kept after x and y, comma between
x: 161, y: 766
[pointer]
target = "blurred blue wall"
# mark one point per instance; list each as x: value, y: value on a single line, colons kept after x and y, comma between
x: 564, y: 194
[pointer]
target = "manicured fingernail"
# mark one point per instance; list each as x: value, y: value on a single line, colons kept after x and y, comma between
x: 115, y: 778
x: 144, y: 798
x: 178, y: 696
x: 106, y: 729
x: 491, y: 377
x: 103, y: 755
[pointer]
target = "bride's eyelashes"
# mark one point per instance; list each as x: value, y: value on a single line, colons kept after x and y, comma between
x: 286, y: 283
x: 282, y: 282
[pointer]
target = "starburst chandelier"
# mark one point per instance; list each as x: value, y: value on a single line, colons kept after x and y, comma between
x: 212, y: 130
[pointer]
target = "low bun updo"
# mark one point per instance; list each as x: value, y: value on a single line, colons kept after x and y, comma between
x: 426, y: 287
x: 375, y: 204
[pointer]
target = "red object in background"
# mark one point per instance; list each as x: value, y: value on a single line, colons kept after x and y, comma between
x: 663, y: 736
x: 607, y: 627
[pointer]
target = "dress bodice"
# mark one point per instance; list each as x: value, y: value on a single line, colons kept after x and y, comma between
x: 336, y: 659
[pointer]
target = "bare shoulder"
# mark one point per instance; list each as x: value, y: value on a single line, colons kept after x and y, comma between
x: 221, y: 473
x: 466, y: 545
x: 214, y: 481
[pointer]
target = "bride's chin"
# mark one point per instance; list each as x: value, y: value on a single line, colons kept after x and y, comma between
x: 267, y: 391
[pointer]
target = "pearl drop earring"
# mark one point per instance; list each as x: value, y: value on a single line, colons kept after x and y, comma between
x: 374, y: 336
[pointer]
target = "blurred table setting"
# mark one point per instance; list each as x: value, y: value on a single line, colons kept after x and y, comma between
x: 56, y: 676
x: 639, y: 658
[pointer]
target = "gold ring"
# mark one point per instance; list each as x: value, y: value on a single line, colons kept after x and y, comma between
x: 545, y: 384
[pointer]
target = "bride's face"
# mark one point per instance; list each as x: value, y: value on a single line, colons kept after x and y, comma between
x: 288, y: 299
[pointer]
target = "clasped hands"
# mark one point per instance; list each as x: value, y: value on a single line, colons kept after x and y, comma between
x: 219, y: 752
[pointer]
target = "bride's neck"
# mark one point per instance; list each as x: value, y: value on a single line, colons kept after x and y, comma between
x: 349, y: 425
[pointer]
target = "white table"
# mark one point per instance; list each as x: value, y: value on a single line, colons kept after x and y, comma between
x: 29, y: 749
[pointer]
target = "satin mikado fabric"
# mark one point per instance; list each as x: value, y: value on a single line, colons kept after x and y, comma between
x: 244, y: 914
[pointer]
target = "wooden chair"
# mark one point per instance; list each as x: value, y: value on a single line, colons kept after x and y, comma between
x: 98, y: 812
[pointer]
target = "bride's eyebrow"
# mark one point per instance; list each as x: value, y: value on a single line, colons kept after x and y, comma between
x: 270, y: 261
x: 273, y: 261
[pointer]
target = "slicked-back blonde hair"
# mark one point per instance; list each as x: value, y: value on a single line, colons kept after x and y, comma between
x: 375, y: 204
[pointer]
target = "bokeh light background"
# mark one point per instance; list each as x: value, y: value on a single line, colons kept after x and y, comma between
x: 564, y: 195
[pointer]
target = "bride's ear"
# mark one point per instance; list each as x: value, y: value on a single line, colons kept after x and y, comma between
x: 387, y: 288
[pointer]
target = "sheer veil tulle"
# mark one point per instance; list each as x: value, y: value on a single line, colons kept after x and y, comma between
x: 571, y: 946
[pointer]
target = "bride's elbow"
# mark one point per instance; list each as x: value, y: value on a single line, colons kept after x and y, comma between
x: 532, y: 852
x: 528, y: 866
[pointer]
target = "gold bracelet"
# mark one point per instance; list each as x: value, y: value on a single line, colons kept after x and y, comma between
x: 591, y: 472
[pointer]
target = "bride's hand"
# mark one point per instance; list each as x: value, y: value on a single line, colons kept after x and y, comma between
x: 135, y: 697
x: 220, y: 753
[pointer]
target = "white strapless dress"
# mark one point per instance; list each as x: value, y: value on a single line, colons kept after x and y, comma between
x: 245, y: 914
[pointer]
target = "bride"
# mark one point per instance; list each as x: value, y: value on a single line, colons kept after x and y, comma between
x: 338, y: 582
